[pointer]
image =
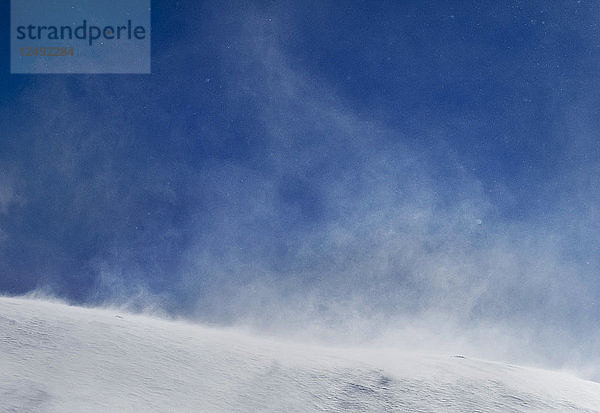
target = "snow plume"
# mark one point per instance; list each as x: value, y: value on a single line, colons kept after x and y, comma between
x: 254, y: 191
x: 354, y: 230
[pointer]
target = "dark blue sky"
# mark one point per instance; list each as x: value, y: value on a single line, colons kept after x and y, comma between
x: 324, y: 158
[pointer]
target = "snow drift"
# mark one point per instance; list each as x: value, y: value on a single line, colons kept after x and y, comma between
x: 58, y: 358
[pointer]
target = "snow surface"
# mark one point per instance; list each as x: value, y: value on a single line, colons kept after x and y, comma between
x: 58, y: 358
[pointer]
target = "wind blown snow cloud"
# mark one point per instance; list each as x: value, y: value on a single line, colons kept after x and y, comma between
x: 257, y: 190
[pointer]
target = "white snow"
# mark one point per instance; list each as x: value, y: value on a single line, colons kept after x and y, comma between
x: 58, y: 358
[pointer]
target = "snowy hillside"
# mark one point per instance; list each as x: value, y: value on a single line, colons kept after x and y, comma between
x: 56, y: 358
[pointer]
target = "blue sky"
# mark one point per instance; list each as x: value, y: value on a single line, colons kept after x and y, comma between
x: 354, y: 164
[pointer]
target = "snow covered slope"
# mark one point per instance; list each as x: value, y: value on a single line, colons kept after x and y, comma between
x: 57, y: 358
